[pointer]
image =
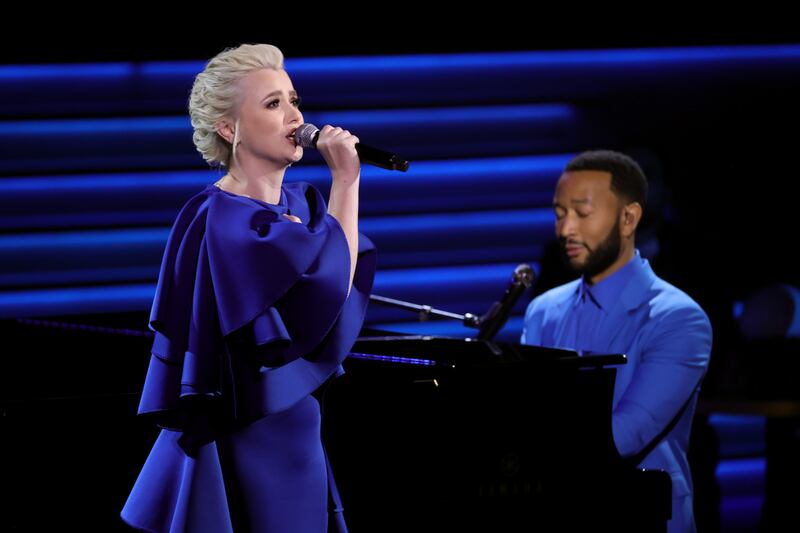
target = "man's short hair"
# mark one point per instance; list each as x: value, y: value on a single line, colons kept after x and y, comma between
x: 628, y: 181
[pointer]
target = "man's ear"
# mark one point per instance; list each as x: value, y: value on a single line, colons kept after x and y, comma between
x: 631, y: 216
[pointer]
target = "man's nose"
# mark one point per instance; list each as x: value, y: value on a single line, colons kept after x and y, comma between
x: 566, y: 227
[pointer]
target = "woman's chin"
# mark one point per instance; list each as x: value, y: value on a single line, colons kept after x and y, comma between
x: 298, y: 155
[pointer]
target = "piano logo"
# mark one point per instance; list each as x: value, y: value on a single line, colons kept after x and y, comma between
x: 509, y: 484
x: 510, y: 464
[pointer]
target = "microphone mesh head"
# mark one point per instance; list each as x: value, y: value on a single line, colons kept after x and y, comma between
x: 305, y: 136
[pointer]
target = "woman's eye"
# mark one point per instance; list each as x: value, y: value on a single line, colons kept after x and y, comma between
x: 295, y: 102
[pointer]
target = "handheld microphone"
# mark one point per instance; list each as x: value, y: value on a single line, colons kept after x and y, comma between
x: 307, y: 135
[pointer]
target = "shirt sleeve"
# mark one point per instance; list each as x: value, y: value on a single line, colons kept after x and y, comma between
x: 674, y: 358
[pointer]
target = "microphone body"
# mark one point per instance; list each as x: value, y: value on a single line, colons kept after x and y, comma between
x: 493, y: 320
x: 307, y: 135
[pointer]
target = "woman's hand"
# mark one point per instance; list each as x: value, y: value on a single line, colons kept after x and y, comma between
x: 338, y: 148
x: 293, y: 218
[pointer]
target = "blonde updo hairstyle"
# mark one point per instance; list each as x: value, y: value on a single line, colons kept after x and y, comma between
x: 216, y: 95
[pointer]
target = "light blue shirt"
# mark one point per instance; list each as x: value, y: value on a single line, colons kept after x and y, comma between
x: 666, y: 337
x: 583, y: 331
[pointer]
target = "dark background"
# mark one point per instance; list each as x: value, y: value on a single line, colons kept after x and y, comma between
x: 728, y: 219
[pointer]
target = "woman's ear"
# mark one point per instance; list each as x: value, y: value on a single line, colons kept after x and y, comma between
x: 226, y: 130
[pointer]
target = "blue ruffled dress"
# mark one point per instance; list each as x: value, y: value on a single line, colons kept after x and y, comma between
x: 251, y: 315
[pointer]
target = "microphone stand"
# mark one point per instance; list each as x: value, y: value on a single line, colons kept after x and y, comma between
x: 489, y: 323
x: 426, y: 311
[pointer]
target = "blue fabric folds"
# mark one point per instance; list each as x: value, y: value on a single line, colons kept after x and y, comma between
x: 251, y: 312
x: 251, y: 315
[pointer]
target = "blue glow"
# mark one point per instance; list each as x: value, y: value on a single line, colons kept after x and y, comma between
x: 451, y: 114
x: 438, y: 62
x: 794, y: 327
x: 724, y: 421
x: 112, y: 182
x: 546, y: 167
x: 77, y: 239
x: 464, y: 221
x: 390, y: 225
x: 160, y: 68
x: 484, y: 165
x: 393, y: 359
x: 504, y: 60
x: 111, y: 125
x: 741, y: 483
x: 510, y: 332
x: 77, y: 294
x: 739, y: 435
x: 748, y: 467
x: 80, y: 71
x: 741, y: 513
x: 76, y: 300
x: 387, y: 279
x: 516, y: 113
x: 351, y: 118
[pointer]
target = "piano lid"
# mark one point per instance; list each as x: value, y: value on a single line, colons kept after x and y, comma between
x: 440, y: 350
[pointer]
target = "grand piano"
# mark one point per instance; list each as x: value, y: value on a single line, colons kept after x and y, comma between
x: 430, y: 433
x: 423, y: 433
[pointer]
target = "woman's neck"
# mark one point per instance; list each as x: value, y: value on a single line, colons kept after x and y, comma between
x: 261, y: 186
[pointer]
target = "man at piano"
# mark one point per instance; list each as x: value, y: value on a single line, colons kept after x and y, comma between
x: 619, y: 305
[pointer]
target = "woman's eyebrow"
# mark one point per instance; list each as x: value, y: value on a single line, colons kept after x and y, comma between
x: 273, y: 93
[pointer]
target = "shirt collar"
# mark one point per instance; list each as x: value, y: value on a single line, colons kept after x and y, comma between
x: 607, y: 292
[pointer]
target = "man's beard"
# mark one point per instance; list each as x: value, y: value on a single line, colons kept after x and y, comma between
x: 598, y: 260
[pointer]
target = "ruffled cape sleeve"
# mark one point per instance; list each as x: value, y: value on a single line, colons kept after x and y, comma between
x: 251, y: 312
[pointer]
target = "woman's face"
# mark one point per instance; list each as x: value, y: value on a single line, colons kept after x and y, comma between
x: 268, y: 116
